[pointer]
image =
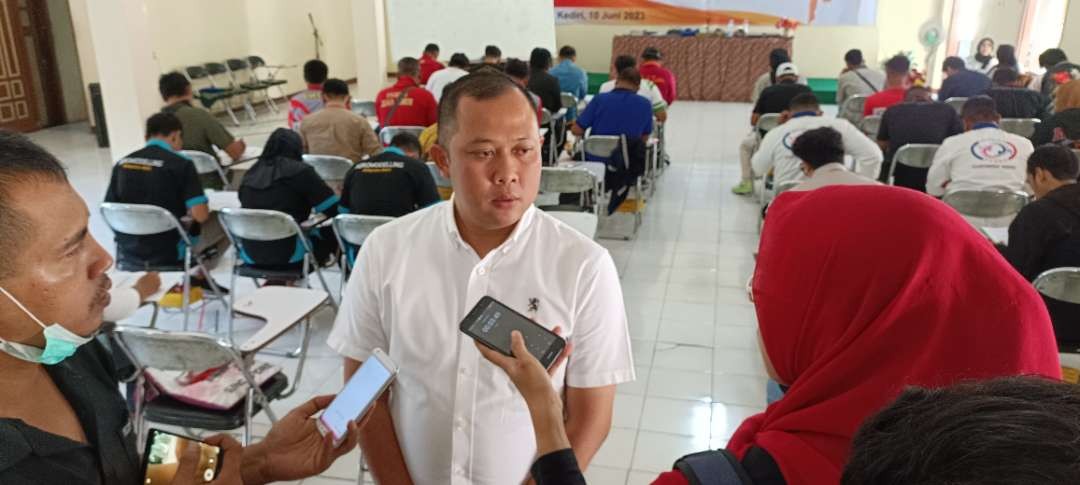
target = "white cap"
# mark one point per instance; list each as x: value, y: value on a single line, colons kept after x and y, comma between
x: 787, y: 69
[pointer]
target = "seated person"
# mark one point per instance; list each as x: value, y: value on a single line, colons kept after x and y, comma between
x: 572, y: 78
x: 776, y: 154
x: 902, y: 331
x: 856, y: 78
x: 960, y: 82
x: 547, y: 87
x: 619, y: 112
x: 652, y: 68
x: 648, y: 89
x: 983, y: 157
x: 822, y: 153
x: 492, y: 55
x: 392, y: 183
x: 458, y: 68
x: 1055, y: 63
x: 202, y: 131
x: 776, y: 58
x: 518, y: 71
x: 919, y: 119
x: 897, y: 70
x: 429, y: 63
x: 406, y: 103
x: 309, y: 100
x: 1013, y: 100
x: 774, y: 99
x: 63, y: 420
x: 1005, y: 430
x: 1046, y: 232
x: 157, y: 175
x: 336, y: 130
x: 1064, y: 125
x: 281, y: 181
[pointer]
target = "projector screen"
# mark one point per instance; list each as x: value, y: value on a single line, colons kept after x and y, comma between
x: 469, y: 25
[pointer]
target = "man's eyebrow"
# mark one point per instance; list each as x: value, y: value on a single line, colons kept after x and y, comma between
x: 77, y: 238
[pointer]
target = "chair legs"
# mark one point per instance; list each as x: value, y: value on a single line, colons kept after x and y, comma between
x: 186, y: 299
x: 249, y: 409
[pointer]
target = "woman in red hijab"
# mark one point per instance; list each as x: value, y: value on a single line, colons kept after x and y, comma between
x: 860, y: 292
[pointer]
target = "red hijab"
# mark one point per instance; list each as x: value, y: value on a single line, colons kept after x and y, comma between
x: 861, y: 291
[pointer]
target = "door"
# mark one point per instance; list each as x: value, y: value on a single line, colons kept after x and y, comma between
x: 19, y: 108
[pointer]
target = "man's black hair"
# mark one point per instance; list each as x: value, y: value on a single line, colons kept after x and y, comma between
x: 1005, y: 76
x: 459, y: 59
x: 334, y: 88
x: 21, y: 162
x: 492, y: 51
x: 1052, y: 57
x: 315, y: 71
x: 979, y: 108
x: 1010, y: 430
x: 516, y: 68
x: 431, y: 48
x: 173, y: 84
x: 478, y: 85
x: 1006, y: 55
x: 651, y: 54
x: 623, y: 62
x: 630, y: 75
x: 1060, y: 161
x: 540, y: 59
x: 567, y: 51
x: 854, y: 57
x: 804, y: 102
x: 406, y: 142
x: 408, y: 66
x: 162, y: 124
x: 819, y: 146
x: 954, y: 63
x: 898, y: 64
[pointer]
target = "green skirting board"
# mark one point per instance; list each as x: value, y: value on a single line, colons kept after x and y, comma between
x: 824, y: 88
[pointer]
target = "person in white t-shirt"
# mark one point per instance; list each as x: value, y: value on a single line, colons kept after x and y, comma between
x: 983, y: 157
x: 452, y: 417
x: 455, y: 70
x: 647, y: 89
x: 805, y: 114
x: 821, y: 151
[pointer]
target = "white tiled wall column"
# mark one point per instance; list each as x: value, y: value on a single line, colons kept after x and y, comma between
x: 369, y: 29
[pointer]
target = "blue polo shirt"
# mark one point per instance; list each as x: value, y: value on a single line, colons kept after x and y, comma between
x: 618, y: 112
x: 573, y: 80
x: 964, y: 84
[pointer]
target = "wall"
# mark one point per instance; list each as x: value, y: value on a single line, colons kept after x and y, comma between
x: 1070, y: 38
x: 67, y: 61
x: 84, y: 45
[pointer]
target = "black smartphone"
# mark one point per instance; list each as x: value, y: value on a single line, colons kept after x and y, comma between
x: 161, y: 457
x: 491, y: 322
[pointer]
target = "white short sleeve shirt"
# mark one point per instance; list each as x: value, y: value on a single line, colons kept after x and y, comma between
x: 983, y: 158
x: 775, y: 150
x: 458, y: 418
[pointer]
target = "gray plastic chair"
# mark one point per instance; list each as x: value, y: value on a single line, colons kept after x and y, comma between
x: 562, y: 180
x: 148, y: 220
x: 915, y: 155
x: 605, y: 146
x: 1061, y: 284
x: 329, y: 167
x: 388, y: 133
x: 550, y: 121
x: 205, y: 163
x: 568, y: 99
x: 852, y: 109
x: 1024, y: 127
x: 870, y: 126
x: 768, y: 121
x: 351, y: 230
x: 364, y: 108
x: 957, y: 103
x: 987, y: 203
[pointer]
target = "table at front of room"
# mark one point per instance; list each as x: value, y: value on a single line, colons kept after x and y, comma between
x: 708, y: 67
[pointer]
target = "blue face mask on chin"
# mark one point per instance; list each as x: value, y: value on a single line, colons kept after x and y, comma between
x: 60, y: 343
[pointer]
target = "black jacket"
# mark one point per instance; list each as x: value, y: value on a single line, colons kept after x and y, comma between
x: 1069, y: 123
x: 1019, y: 103
x: 1046, y: 235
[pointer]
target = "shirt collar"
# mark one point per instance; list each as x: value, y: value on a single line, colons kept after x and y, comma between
x: 157, y: 142
x: 984, y: 124
x: 394, y: 150
x: 830, y: 167
x: 802, y: 114
x: 522, y: 226
x: 405, y: 81
x: 314, y: 87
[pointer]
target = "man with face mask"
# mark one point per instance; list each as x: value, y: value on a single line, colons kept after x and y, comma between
x: 62, y: 419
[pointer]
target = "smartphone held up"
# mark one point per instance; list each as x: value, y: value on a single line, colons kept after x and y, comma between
x: 491, y: 323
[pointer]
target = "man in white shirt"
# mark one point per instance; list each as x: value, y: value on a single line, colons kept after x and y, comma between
x: 452, y: 417
x: 647, y: 88
x: 983, y: 157
x: 805, y: 114
x: 856, y: 79
x: 822, y: 153
x: 443, y: 77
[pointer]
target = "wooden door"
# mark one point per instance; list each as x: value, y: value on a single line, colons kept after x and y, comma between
x: 18, y: 105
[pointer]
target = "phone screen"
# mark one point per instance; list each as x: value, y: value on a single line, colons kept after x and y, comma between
x: 361, y: 390
x: 163, y: 452
x: 491, y: 322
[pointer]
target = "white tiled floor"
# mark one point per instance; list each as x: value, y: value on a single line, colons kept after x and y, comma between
x: 699, y: 372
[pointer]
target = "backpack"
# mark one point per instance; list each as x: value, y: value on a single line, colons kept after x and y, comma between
x: 713, y: 467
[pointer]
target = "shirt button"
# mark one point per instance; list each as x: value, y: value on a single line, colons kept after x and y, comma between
x: 482, y: 271
x: 463, y: 371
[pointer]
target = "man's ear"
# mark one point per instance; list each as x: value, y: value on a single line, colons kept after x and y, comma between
x: 441, y: 157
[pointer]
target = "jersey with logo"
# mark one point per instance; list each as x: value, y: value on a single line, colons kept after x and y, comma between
x: 983, y: 158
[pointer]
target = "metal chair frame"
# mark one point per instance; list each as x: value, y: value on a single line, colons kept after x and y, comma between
x: 870, y: 125
x: 1061, y: 284
x: 351, y: 230
x: 195, y: 73
x: 973, y: 203
x: 235, y: 66
x: 957, y: 103
x: 915, y: 155
x: 853, y: 108
x: 214, y: 69
x: 605, y: 146
x: 1024, y: 127
x: 205, y: 163
x: 388, y: 133
x: 567, y: 180
x: 551, y: 121
x: 330, y: 168
x: 256, y: 62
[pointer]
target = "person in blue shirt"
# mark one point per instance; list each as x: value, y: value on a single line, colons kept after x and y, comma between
x: 572, y: 78
x: 960, y: 82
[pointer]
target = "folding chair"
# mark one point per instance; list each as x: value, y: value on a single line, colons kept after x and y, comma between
x: 206, y: 164
x: 1024, y: 127
x: 568, y: 99
x: 1062, y: 284
x: 388, y: 133
x: 351, y: 231
x: 870, y: 126
x: 767, y: 122
x: 235, y: 67
x: 914, y: 155
x: 330, y: 168
x: 256, y: 62
x: 442, y: 184
x: 364, y: 108
x: 267, y: 225
x: 852, y: 109
x: 561, y: 180
x: 551, y: 121
x: 986, y: 203
x: 584, y: 222
x: 146, y: 220
x: 210, y: 95
x: 957, y: 103
x: 217, y: 69
x: 604, y: 146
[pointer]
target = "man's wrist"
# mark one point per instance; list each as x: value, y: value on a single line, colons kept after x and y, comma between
x: 253, y: 465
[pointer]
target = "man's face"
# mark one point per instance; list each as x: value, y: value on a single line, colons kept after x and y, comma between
x: 1040, y: 182
x: 493, y: 160
x: 60, y: 268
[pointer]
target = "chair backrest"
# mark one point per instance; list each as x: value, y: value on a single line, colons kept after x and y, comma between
x: 584, y: 222
x: 1024, y: 127
x: 174, y: 351
x: 870, y: 125
x: 258, y: 224
x: 355, y: 228
x: 768, y: 121
x: 566, y: 180
x: 440, y: 181
x: 256, y: 61
x: 364, y: 108
x: 957, y: 103
x: 215, y: 68
x: 195, y: 72
x: 329, y: 167
x: 237, y: 64
x: 987, y: 203
x: 204, y: 162
x: 545, y: 117
x: 1061, y: 284
x: 915, y: 155
x: 568, y: 100
x: 388, y: 133
x: 852, y: 110
x: 139, y: 219
x: 601, y: 145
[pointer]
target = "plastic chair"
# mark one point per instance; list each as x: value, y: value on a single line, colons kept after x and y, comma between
x: 388, y: 133
x: 604, y: 146
x: 147, y: 220
x: 351, y: 230
x: 364, y: 108
x: 987, y: 203
x: 583, y: 222
x: 870, y: 126
x: 1024, y: 127
x: 767, y: 122
x: 205, y: 163
x: 252, y: 84
x: 442, y: 184
x: 256, y: 62
x: 957, y: 103
x: 568, y: 99
x: 562, y: 180
x: 550, y: 121
x: 852, y: 109
x: 214, y: 69
x: 209, y: 96
x: 329, y: 167
x: 914, y: 155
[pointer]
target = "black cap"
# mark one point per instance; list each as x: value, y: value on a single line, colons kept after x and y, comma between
x: 651, y: 53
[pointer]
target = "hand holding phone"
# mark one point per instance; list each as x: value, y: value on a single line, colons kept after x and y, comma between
x: 358, y: 395
x: 491, y: 323
x: 175, y: 460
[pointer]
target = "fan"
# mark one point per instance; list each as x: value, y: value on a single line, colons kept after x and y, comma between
x: 931, y: 35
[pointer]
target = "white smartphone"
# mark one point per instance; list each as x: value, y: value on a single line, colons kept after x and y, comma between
x: 363, y: 388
